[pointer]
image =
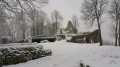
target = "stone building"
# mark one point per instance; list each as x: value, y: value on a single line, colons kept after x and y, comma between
x: 91, y: 37
x: 70, y: 29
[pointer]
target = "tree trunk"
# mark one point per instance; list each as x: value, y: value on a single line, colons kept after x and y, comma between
x: 56, y: 27
x: 116, y: 33
x: 119, y: 33
x: 75, y: 30
x: 23, y: 34
x: 56, y: 24
x: 37, y: 29
x: 99, y: 28
x: 61, y: 31
x: 33, y: 29
x: 116, y: 39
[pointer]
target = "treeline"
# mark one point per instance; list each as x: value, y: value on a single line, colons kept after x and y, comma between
x: 21, y: 19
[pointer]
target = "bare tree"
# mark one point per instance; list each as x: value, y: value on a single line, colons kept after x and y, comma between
x: 4, y: 29
x: 92, y: 11
x: 47, y: 28
x: 23, y: 24
x: 33, y: 15
x: 19, y: 9
x: 38, y: 18
x: 19, y: 26
x: 115, y: 14
x: 56, y: 19
x: 42, y: 17
x: 24, y: 5
x: 75, y: 23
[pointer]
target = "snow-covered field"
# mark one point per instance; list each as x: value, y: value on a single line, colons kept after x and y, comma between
x: 67, y: 54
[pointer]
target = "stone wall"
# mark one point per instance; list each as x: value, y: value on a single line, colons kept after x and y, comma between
x: 78, y: 39
x: 92, y: 37
x: 12, y: 55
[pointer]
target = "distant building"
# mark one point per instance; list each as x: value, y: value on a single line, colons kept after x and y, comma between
x: 91, y: 37
x: 85, y: 37
x: 70, y: 29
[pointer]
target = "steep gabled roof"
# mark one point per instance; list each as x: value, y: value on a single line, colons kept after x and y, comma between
x: 70, y: 28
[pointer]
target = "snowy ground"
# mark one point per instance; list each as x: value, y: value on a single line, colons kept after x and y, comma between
x: 71, y: 54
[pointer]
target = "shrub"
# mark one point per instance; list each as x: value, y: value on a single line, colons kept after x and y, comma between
x: 1, y: 59
x: 6, y: 40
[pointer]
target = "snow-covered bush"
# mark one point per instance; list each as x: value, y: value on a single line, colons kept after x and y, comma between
x: 15, y: 55
x: 6, y: 40
x: 1, y: 55
x: 46, y: 53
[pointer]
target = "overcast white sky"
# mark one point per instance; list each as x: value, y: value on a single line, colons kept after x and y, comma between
x: 69, y: 7
x: 66, y: 8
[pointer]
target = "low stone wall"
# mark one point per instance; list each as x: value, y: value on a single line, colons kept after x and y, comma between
x: 78, y: 39
x: 39, y: 39
x: 14, y: 55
